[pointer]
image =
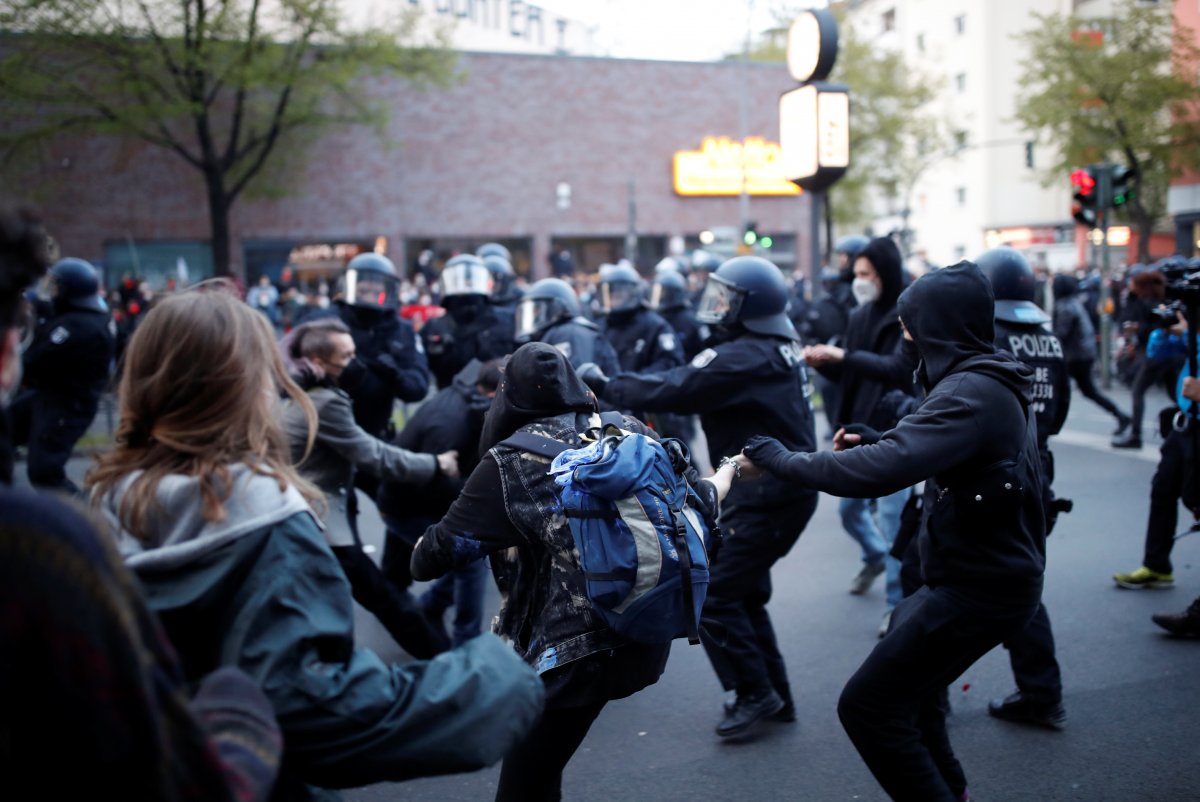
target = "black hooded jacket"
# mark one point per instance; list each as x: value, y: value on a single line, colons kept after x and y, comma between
x: 969, y: 439
x: 873, y: 330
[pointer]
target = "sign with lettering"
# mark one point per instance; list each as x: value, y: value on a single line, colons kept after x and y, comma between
x: 722, y: 166
x: 511, y: 26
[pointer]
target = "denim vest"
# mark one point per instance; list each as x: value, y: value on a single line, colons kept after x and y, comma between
x: 544, y: 608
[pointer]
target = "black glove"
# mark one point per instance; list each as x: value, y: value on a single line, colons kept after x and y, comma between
x: 765, y: 452
x: 867, y: 435
x: 593, y: 377
x: 384, y: 366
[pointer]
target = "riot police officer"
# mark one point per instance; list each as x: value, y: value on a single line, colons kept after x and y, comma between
x: 1022, y: 329
x: 751, y: 379
x: 66, y: 368
x: 471, y: 328
x: 669, y: 298
x: 704, y: 263
x: 644, y: 342
x: 549, y: 312
x: 391, y: 363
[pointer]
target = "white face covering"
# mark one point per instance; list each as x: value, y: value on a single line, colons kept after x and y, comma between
x: 865, y: 290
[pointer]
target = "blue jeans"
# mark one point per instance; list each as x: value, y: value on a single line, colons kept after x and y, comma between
x: 461, y: 589
x: 876, y: 539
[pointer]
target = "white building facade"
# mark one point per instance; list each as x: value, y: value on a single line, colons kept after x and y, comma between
x: 986, y: 189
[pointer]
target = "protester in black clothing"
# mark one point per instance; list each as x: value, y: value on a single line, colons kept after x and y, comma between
x: 751, y: 380
x: 510, y: 509
x: 865, y: 374
x: 449, y: 421
x: 66, y: 369
x: 982, y: 545
x: 471, y: 328
x: 1073, y: 327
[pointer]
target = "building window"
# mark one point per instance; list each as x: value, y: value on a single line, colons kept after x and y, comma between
x: 960, y: 251
x: 960, y: 24
x: 889, y: 20
x: 921, y: 42
x: 960, y: 82
x: 961, y: 195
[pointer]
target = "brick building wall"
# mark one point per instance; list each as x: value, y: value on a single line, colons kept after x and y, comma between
x: 477, y: 161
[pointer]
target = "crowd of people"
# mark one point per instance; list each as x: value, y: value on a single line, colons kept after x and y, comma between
x: 216, y: 546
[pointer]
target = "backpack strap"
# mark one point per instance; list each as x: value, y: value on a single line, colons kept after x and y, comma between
x: 685, y: 571
x: 535, y: 444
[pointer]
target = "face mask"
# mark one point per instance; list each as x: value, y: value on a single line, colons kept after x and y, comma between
x: 865, y: 290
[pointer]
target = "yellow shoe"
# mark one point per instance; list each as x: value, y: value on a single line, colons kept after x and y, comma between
x: 1144, y: 578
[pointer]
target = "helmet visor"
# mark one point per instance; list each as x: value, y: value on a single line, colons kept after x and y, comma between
x: 535, y: 315
x: 619, y: 296
x: 371, y: 289
x: 719, y: 303
x: 466, y: 279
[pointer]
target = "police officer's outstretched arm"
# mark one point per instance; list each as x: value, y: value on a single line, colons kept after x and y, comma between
x: 685, y: 390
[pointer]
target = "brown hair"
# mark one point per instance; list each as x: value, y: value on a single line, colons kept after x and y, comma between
x: 315, y: 338
x: 198, y: 392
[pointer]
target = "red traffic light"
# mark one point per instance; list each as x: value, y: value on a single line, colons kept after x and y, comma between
x: 1083, y: 180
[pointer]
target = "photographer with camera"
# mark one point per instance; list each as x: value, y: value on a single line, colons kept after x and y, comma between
x: 1148, y: 292
x: 1176, y: 478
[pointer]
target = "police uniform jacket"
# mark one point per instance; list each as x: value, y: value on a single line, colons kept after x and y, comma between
x: 70, y: 355
x: 753, y: 384
x: 644, y: 342
x: 1050, y: 394
x: 1074, y: 330
x: 450, y: 345
x: 580, y: 341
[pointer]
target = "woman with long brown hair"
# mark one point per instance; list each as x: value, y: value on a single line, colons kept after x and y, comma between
x: 209, y: 512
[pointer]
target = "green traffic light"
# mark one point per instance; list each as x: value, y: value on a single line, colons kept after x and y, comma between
x: 750, y: 238
x: 766, y: 242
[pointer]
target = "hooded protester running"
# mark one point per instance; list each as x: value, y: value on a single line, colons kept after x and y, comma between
x: 510, y: 509
x: 208, y: 511
x: 982, y: 542
x: 873, y: 387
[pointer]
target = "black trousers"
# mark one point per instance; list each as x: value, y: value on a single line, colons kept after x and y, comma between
x: 735, y: 627
x: 1151, y: 372
x: 1035, y: 668
x: 532, y: 772
x: 50, y: 425
x: 1081, y: 371
x: 1175, y: 464
x: 890, y: 709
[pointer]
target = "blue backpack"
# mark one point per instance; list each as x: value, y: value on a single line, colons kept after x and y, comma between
x: 636, y: 526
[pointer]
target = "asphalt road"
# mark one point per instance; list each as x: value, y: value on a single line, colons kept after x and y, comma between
x: 1131, y: 693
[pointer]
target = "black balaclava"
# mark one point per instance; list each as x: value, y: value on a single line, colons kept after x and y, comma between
x: 538, y: 382
x: 1064, y: 286
x: 885, y: 257
x: 465, y: 309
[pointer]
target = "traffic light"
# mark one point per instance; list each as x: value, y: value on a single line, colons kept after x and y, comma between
x: 765, y: 242
x: 1123, y: 189
x: 750, y: 236
x: 1084, y: 207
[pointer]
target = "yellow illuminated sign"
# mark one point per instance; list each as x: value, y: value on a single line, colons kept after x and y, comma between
x: 721, y: 164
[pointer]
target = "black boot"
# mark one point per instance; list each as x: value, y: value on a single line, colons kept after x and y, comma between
x: 1131, y: 440
x: 1123, y: 422
x: 1021, y: 709
x: 747, y: 711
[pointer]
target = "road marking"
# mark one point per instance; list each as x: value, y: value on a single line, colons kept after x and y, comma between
x: 1099, y: 442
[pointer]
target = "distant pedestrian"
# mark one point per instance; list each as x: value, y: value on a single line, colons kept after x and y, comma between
x: 1078, y: 337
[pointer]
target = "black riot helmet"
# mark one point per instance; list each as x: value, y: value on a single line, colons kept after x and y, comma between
x: 669, y: 291
x: 493, y: 249
x: 620, y: 289
x: 1013, y: 285
x: 504, y: 279
x: 546, y: 303
x: 705, y: 261
x: 751, y: 291
x: 466, y: 275
x: 371, y: 281
x: 74, y: 283
x: 848, y: 249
